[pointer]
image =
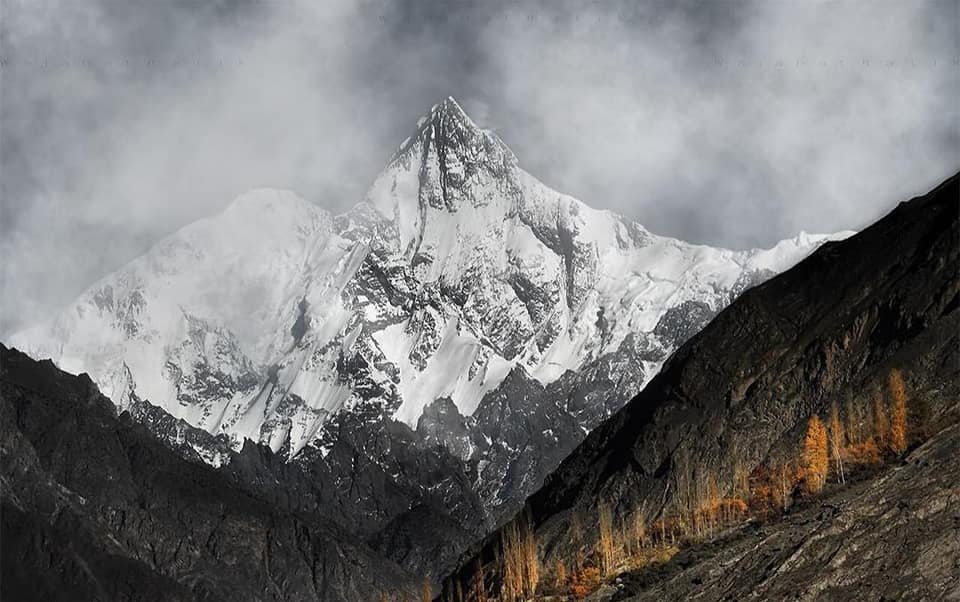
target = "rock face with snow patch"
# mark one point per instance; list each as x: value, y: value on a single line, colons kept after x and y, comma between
x: 497, y: 320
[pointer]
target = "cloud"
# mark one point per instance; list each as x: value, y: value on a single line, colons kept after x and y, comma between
x: 735, y: 130
x: 733, y: 123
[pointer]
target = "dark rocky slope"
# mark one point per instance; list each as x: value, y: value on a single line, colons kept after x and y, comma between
x: 741, y: 391
x: 896, y: 537
x: 94, y: 507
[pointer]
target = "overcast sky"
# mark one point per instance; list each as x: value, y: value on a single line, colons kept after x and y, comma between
x: 722, y: 122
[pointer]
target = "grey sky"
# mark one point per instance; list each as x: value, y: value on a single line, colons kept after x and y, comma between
x: 723, y: 122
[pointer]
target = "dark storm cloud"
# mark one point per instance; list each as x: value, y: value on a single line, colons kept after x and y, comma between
x: 726, y: 122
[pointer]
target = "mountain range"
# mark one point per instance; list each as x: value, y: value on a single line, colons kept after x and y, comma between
x: 433, y: 352
x: 469, y: 381
x: 98, y: 504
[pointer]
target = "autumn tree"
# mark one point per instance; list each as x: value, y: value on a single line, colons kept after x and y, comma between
x: 520, y: 559
x: 606, y: 543
x: 576, y: 538
x: 686, y: 500
x: 560, y: 575
x: 479, y: 587
x: 714, y: 503
x: 640, y: 526
x: 898, y: 414
x: 815, y: 459
x: 663, y: 528
x: 625, y: 538
x: 836, y: 440
x: 531, y: 557
x: 512, y: 563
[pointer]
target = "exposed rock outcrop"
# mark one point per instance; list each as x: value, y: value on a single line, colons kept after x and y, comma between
x: 96, y: 508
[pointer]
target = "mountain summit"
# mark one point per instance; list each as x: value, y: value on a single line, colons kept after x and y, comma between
x: 446, y: 123
x: 493, y: 317
x: 449, y: 166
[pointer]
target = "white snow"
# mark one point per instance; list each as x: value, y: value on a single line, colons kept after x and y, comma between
x: 239, y: 279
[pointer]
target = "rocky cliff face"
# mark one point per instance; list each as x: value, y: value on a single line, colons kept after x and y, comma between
x: 94, y: 507
x: 442, y: 345
x: 740, y: 392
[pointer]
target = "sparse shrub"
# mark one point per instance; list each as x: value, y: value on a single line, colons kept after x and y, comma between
x: 585, y: 582
x: 863, y: 454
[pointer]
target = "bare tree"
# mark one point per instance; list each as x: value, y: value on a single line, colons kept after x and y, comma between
x: 836, y: 440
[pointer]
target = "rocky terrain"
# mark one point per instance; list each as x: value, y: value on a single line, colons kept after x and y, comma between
x: 893, y: 537
x: 94, y: 507
x: 740, y: 394
x: 133, y: 503
x: 431, y: 354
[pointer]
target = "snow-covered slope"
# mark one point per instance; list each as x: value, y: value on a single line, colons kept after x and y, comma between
x: 459, y: 268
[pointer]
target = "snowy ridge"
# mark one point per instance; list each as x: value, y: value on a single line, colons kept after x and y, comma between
x: 459, y: 267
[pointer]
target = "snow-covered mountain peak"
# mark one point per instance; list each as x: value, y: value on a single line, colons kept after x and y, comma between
x: 446, y: 123
x: 449, y: 110
x: 448, y: 178
x: 459, y: 268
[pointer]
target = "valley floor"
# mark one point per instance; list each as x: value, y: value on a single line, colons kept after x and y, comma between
x: 895, y: 536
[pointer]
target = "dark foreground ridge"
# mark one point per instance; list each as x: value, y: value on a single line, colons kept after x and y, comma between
x: 740, y: 395
x: 94, y: 507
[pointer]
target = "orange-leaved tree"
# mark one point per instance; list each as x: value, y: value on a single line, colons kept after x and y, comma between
x: 898, y: 414
x: 560, y: 575
x: 606, y: 543
x: 479, y: 587
x: 520, y: 560
x: 815, y: 459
